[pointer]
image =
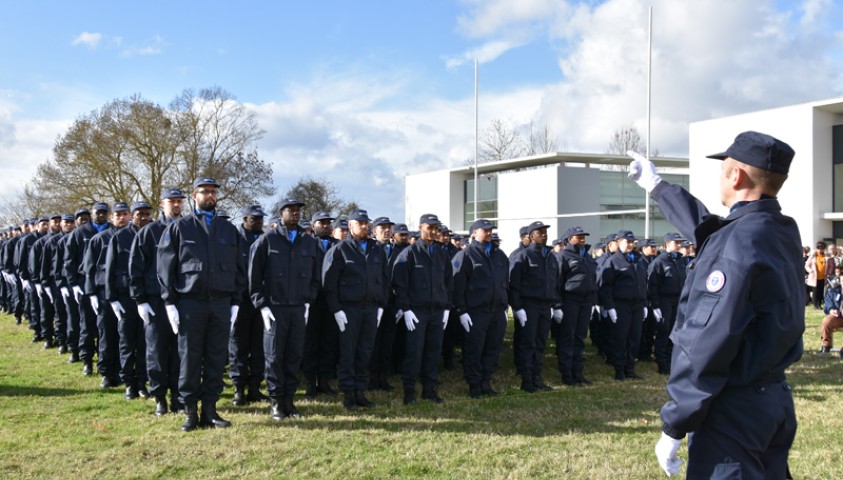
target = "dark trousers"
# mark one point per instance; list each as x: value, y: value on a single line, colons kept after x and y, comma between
x: 356, y: 344
x: 245, y: 348
x: 321, y: 342
x: 424, y: 346
x: 532, y: 339
x: 88, y: 332
x: 648, y: 336
x: 17, y: 298
x: 34, y: 309
x: 626, y: 334
x: 454, y: 337
x: 60, y: 315
x: 48, y: 315
x: 819, y: 293
x: 72, y: 315
x: 399, y: 345
x: 747, y: 434
x: 483, y: 345
x: 283, y: 345
x: 132, y: 344
x: 570, y: 337
x: 162, y: 352
x: 664, y: 347
x: 108, y: 362
x: 381, y: 362
x: 203, y: 348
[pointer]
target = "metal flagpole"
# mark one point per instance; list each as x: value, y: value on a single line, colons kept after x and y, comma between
x: 476, y: 135
x: 649, y: 103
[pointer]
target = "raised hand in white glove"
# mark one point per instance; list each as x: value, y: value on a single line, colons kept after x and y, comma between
x: 613, y: 315
x: 666, y: 449
x: 398, y: 315
x: 306, y: 313
x: 380, y: 315
x: 465, y: 320
x: 341, y: 320
x: 410, y: 320
x: 39, y: 290
x: 95, y: 303
x: 173, y: 317
x: 557, y: 314
x: 118, y: 309
x: 77, y: 293
x: 643, y: 172
x: 268, y: 318
x: 645, y: 313
x: 146, y: 313
x: 445, y: 315
x: 521, y: 316
x: 657, y: 312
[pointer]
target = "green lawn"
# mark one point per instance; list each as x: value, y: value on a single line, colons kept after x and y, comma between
x: 56, y: 423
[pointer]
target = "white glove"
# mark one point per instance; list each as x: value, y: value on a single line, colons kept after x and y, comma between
x: 521, y: 316
x: 65, y: 293
x: 49, y: 293
x: 26, y: 286
x: 173, y: 316
x: 95, y: 303
x: 643, y: 172
x: 341, y: 319
x: 39, y: 290
x: 145, y: 312
x: 410, y: 320
x: 118, y: 309
x: 380, y: 314
x: 398, y: 315
x: 234, y: 310
x: 466, y: 322
x: 268, y: 318
x: 77, y: 293
x: 645, y: 313
x: 306, y: 313
x: 557, y: 314
x: 445, y: 316
x: 613, y: 315
x: 666, y: 449
x: 596, y: 308
x: 657, y: 312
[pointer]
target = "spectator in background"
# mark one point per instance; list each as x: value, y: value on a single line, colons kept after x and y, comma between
x: 832, y: 320
x: 815, y: 266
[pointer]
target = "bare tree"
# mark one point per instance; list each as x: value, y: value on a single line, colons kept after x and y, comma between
x: 500, y: 142
x: 319, y: 195
x: 624, y: 139
x: 541, y: 141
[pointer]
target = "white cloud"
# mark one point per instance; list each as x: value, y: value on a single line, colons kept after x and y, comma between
x: 485, y: 53
x: 152, y: 47
x: 91, y: 40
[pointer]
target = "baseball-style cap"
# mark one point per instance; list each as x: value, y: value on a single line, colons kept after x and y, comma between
x: 400, y: 228
x: 415, y: 234
x: 68, y: 217
x: 139, y: 205
x: 81, y: 211
x: 429, y: 219
x: 672, y: 236
x: 456, y: 236
x: 611, y: 238
x: 120, y: 207
x: 205, y: 181
x: 305, y: 224
x: 482, y: 224
x: 223, y: 214
x: 649, y: 242
x: 340, y: 223
x: 525, y: 230
x: 557, y: 241
x: 43, y: 219
x: 686, y: 243
x: 359, y: 215
x: 382, y: 221
x: 535, y: 226
x: 600, y: 245
x: 321, y: 216
x: 444, y: 228
x: 575, y: 231
x: 252, y: 211
x: 759, y: 150
x: 55, y: 215
x: 99, y: 206
x: 172, y: 193
x: 288, y: 202
x: 627, y: 235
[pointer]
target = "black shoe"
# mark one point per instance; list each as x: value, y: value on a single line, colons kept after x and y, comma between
x: 176, y: 406
x: 632, y: 375
x: 619, y: 375
x: 37, y: 338
x: 361, y: 400
x: 49, y: 343
x: 210, y: 417
x: 324, y: 386
x: 74, y: 358
x: 88, y: 369
x: 17, y: 320
x: 312, y: 389
x: 824, y: 349
x: 143, y: 392
x: 569, y: 381
x: 131, y: 392
x: 349, y: 401
x: 487, y: 390
x: 409, y: 397
x: 474, y: 391
x: 108, y: 382
x: 160, y: 406
x: 432, y: 395
x: 290, y: 409
x: 191, y: 419
x: 646, y: 358
x: 581, y: 380
x: 239, y: 399
x: 663, y: 368
x: 539, y: 383
x: 275, y: 411
x: 527, y: 386
x: 255, y: 394
x: 63, y: 349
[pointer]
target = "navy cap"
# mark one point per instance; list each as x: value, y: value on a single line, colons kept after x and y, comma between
x: 99, y: 206
x: 672, y: 236
x: 495, y: 237
x: 43, y: 219
x: 120, y: 207
x: 429, y: 219
x: 627, y: 235
x: 525, y: 230
x: 481, y: 223
x: 273, y: 219
x: 223, y: 214
x: 649, y: 242
x: 382, y: 221
x: 558, y: 241
x: 456, y: 236
x: 611, y: 237
x: 252, y: 211
x: 415, y: 234
x: 686, y: 243
x: 209, y: 181
x: 339, y: 223
x: 444, y: 228
x: 321, y: 216
x: 574, y: 231
x: 25, y: 221
x: 33, y: 221
x: 535, y: 226
x: 139, y: 205
x: 288, y: 202
x: 68, y: 217
x: 55, y: 215
x: 759, y: 150
x: 400, y: 228
x: 359, y: 215
x: 82, y: 211
x: 172, y: 193
x: 600, y: 245
x: 305, y: 224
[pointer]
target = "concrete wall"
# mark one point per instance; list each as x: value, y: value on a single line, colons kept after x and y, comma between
x: 427, y: 193
x: 579, y: 192
x: 525, y: 197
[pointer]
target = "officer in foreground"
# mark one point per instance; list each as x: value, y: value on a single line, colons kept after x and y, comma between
x: 740, y: 319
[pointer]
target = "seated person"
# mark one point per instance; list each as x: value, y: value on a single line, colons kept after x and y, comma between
x: 832, y: 320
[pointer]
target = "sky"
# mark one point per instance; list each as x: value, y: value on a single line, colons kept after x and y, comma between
x: 364, y: 93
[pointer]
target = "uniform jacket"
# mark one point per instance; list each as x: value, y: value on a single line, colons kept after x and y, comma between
x: 665, y: 277
x: 351, y: 276
x: 741, y: 313
x: 117, y: 263
x: 74, y: 253
x: 622, y: 280
x: 59, y: 250
x: 36, y: 258
x: 577, y: 273
x: 48, y: 261
x: 22, y: 251
x: 143, y: 261
x: 93, y: 265
x: 534, y: 277
x: 481, y: 281
x: 9, y: 255
x: 281, y: 272
x: 423, y: 280
x: 201, y: 262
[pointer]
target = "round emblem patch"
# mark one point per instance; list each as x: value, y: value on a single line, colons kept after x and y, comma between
x: 715, y: 281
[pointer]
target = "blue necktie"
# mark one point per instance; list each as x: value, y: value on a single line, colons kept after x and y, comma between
x: 208, y: 216
x: 362, y: 246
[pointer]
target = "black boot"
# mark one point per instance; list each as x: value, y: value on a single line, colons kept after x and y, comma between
x: 210, y: 417
x: 569, y: 380
x: 131, y: 393
x: 630, y: 374
x: 349, y: 400
x: 432, y: 395
x: 142, y: 391
x: 49, y: 343
x: 239, y: 399
x: 539, y: 383
x: 619, y: 375
x: 581, y: 380
x: 108, y: 382
x: 275, y: 411
x: 312, y: 389
x: 160, y: 406
x: 289, y: 408
x: 663, y: 368
x: 324, y: 385
x: 362, y: 401
x: 191, y: 418
x: 88, y: 369
x: 474, y: 391
x: 527, y: 385
x: 74, y: 357
x: 486, y: 388
x: 175, y: 404
x: 63, y: 349
x: 409, y: 396
x: 825, y: 349
x: 255, y: 394
x: 17, y: 320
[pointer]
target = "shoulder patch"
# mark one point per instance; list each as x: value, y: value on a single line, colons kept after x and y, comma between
x: 715, y: 281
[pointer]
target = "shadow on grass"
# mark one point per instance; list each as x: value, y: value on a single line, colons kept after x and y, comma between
x: 22, y: 391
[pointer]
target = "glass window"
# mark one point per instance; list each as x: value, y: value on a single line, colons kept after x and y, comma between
x: 487, y: 199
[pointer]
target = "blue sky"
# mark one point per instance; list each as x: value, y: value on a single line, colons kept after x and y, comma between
x: 363, y: 93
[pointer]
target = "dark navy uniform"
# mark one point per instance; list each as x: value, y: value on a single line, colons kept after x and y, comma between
x: 481, y: 289
x: 578, y: 287
x: 665, y: 279
x: 108, y: 362
x: 15, y: 294
x: 50, y: 282
x: 45, y: 305
x: 380, y: 367
x: 321, y: 337
x: 32, y: 309
x: 68, y: 300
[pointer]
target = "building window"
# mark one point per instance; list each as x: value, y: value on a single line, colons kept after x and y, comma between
x: 487, y: 199
x: 837, y: 162
x: 618, y: 193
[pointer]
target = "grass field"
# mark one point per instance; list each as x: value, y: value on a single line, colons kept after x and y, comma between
x: 56, y: 423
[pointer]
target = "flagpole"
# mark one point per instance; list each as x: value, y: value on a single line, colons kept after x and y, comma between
x: 476, y: 140
x: 649, y: 104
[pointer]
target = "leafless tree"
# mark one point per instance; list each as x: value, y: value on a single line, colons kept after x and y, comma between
x: 319, y: 195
